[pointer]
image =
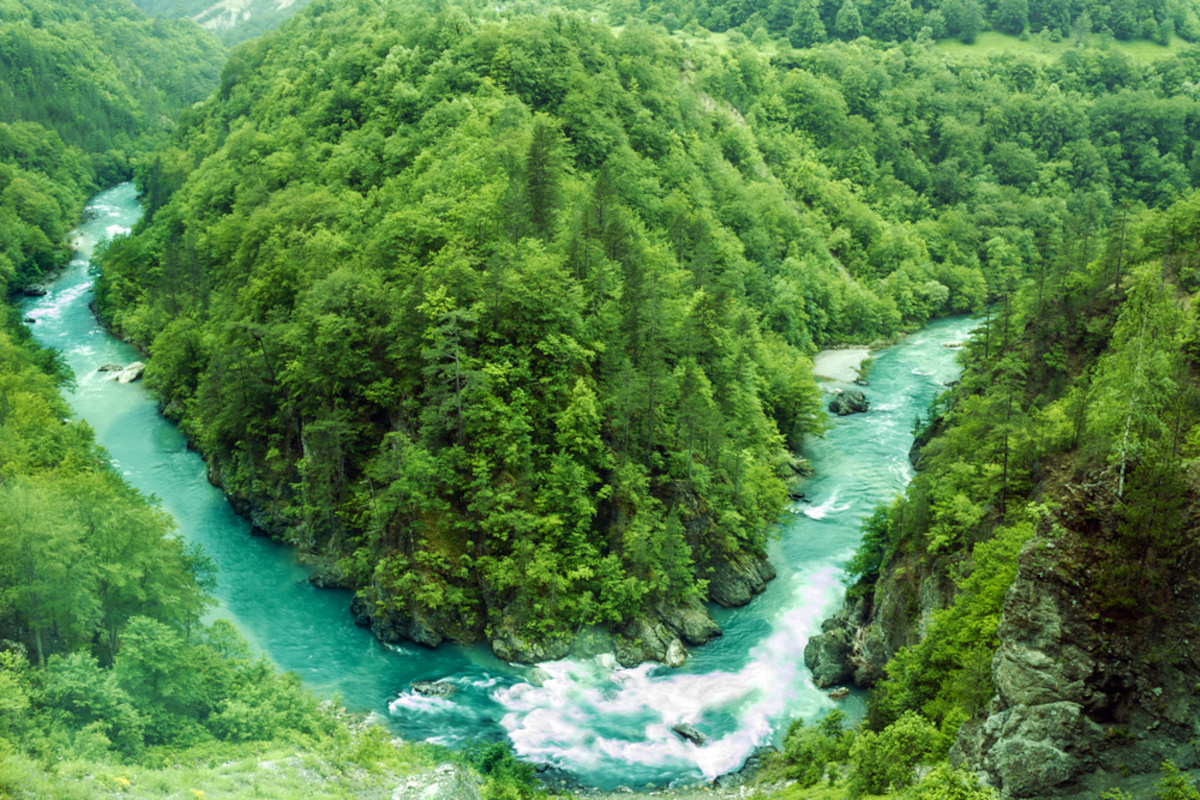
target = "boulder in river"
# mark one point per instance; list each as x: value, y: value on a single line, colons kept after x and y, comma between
x: 110, y: 368
x: 132, y: 372
x: 689, y: 732
x: 676, y: 654
x: 434, y: 688
x: 30, y: 321
x: 830, y: 654
x: 35, y: 290
x: 850, y: 401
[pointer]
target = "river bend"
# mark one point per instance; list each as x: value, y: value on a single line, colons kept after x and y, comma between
x: 608, y: 725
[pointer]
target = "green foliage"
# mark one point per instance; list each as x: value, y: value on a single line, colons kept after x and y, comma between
x: 885, y: 761
x: 809, y: 750
x: 879, y: 539
x: 1174, y: 785
x: 944, y: 782
x: 505, y: 778
x: 947, y: 675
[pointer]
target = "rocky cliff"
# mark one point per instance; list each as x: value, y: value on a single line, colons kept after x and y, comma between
x: 857, y: 642
x: 1080, y: 696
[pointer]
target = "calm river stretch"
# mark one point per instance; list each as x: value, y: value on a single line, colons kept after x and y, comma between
x: 610, y: 726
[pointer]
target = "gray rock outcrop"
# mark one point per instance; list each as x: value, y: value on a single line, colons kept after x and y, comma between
x: 1071, y: 699
x: 35, y: 290
x: 850, y: 401
x: 511, y: 646
x: 423, y: 626
x: 661, y: 637
x: 734, y: 581
x: 446, y: 782
x: 830, y: 654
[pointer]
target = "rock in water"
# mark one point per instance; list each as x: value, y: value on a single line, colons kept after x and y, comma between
x: 851, y: 401
x: 110, y: 368
x: 676, y: 654
x: 839, y: 693
x: 434, y: 688
x: 829, y: 655
x: 132, y: 372
x: 35, y: 290
x: 689, y: 732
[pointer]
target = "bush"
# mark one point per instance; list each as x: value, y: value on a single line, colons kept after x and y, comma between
x: 947, y: 783
x: 809, y: 750
x: 505, y: 778
x: 885, y: 761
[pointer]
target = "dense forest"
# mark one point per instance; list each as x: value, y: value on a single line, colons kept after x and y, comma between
x: 509, y: 315
x: 82, y: 86
x: 506, y: 313
x: 1063, y: 463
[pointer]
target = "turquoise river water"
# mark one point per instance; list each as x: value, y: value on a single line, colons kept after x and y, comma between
x: 610, y: 726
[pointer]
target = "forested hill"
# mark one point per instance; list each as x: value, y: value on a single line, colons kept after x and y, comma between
x: 509, y: 315
x: 84, y: 87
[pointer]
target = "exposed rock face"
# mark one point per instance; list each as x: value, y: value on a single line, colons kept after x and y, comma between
x: 447, y: 782
x: 851, y: 401
x: 1071, y: 699
x: 858, y: 641
x: 676, y: 654
x: 420, y: 625
x: 662, y: 636
x: 509, y: 645
x: 830, y: 654
x: 689, y: 732
x: 735, y: 581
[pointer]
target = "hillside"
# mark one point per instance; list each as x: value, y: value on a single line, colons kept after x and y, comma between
x: 84, y: 88
x: 514, y: 334
x: 1033, y: 586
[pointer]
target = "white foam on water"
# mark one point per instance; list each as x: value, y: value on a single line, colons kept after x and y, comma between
x: 822, y: 510
x: 116, y: 230
x: 412, y: 702
x: 589, y: 718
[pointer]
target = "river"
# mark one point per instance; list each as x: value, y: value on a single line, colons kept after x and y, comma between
x: 609, y: 726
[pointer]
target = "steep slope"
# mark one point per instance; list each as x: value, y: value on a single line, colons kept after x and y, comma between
x: 83, y: 88
x: 1034, y: 583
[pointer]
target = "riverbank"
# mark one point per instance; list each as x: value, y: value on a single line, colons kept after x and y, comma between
x: 843, y: 365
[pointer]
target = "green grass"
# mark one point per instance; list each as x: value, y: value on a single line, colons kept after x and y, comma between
x: 992, y: 43
x: 273, y: 771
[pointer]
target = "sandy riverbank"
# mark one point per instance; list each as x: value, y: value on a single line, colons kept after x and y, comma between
x: 840, y: 365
